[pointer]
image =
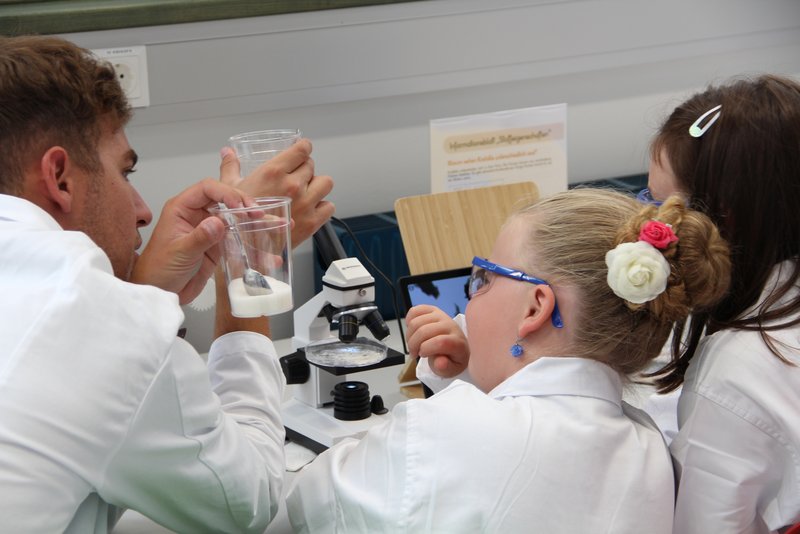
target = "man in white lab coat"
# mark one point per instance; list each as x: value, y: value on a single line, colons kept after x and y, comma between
x: 102, y: 406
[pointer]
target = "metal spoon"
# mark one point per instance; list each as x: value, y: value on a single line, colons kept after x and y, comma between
x: 255, y: 283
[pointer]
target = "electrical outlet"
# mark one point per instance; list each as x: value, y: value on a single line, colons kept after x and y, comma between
x: 130, y: 64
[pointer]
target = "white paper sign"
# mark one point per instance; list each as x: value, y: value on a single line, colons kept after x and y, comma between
x: 501, y: 148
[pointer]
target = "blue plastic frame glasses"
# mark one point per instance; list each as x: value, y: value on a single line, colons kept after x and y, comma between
x: 646, y: 197
x: 479, y: 279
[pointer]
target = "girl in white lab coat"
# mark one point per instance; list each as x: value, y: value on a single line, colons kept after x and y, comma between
x: 734, y: 152
x: 580, y: 291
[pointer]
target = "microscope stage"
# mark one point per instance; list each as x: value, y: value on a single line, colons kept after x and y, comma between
x: 393, y: 357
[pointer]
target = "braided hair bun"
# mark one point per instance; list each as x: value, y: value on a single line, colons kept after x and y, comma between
x: 698, y: 259
x: 674, y: 262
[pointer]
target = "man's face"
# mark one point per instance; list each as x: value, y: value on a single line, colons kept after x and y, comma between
x: 114, y: 211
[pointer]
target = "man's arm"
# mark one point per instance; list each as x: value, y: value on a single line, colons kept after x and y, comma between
x: 204, y: 451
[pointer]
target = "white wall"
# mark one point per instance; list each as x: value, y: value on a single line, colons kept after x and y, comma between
x: 363, y: 83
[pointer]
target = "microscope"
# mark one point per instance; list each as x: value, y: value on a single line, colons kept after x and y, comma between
x: 326, y: 407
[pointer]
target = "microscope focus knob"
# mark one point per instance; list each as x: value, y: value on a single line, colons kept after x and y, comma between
x: 295, y: 368
x: 351, y: 401
x: 376, y: 405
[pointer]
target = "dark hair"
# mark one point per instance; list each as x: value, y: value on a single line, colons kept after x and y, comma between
x: 570, y: 234
x: 53, y: 92
x: 744, y: 172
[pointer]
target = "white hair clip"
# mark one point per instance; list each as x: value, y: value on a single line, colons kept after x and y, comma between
x: 695, y: 130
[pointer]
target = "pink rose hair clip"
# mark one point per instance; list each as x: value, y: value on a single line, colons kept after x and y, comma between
x: 658, y: 234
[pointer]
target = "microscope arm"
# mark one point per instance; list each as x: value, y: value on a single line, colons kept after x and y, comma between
x: 328, y: 246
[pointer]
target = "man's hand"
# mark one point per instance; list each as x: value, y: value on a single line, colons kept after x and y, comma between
x: 289, y: 174
x: 182, y: 252
x: 434, y: 335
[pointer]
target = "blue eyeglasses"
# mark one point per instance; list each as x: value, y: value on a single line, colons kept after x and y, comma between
x: 481, y: 276
x: 646, y: 197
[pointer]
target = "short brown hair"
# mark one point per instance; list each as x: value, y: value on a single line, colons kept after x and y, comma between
x: 569, y: 237
x: 53, y: 92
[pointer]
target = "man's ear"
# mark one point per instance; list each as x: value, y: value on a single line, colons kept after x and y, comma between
x: 540, y: 309
x: 58, y: 178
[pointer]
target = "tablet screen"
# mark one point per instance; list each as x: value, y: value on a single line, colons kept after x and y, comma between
x: 447, y: 290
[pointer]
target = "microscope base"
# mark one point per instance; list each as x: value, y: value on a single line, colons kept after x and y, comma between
x: 317, y: 429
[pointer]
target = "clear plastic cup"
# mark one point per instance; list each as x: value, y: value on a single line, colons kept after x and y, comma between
x: 254, y: 148
x: 257, y: 257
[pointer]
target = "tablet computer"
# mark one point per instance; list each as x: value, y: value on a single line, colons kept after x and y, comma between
x: 447, y: 290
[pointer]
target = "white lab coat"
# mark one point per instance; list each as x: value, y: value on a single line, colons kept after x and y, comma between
x: 551, y: 449
x: 101, y: 404
x: 738, y: 447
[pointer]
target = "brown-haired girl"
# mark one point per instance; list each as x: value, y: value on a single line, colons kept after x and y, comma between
x: 734, y: 152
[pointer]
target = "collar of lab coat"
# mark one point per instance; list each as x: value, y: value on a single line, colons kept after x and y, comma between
x: 25, y: 212
x: 563, y: 376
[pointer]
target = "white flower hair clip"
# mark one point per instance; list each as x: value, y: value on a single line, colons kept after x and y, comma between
x: 638, y: 271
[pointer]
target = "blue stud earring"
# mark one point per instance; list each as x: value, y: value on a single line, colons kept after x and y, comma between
x: 516, y: 349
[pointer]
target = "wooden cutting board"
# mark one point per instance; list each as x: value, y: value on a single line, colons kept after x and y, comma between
x: 443, y: 231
